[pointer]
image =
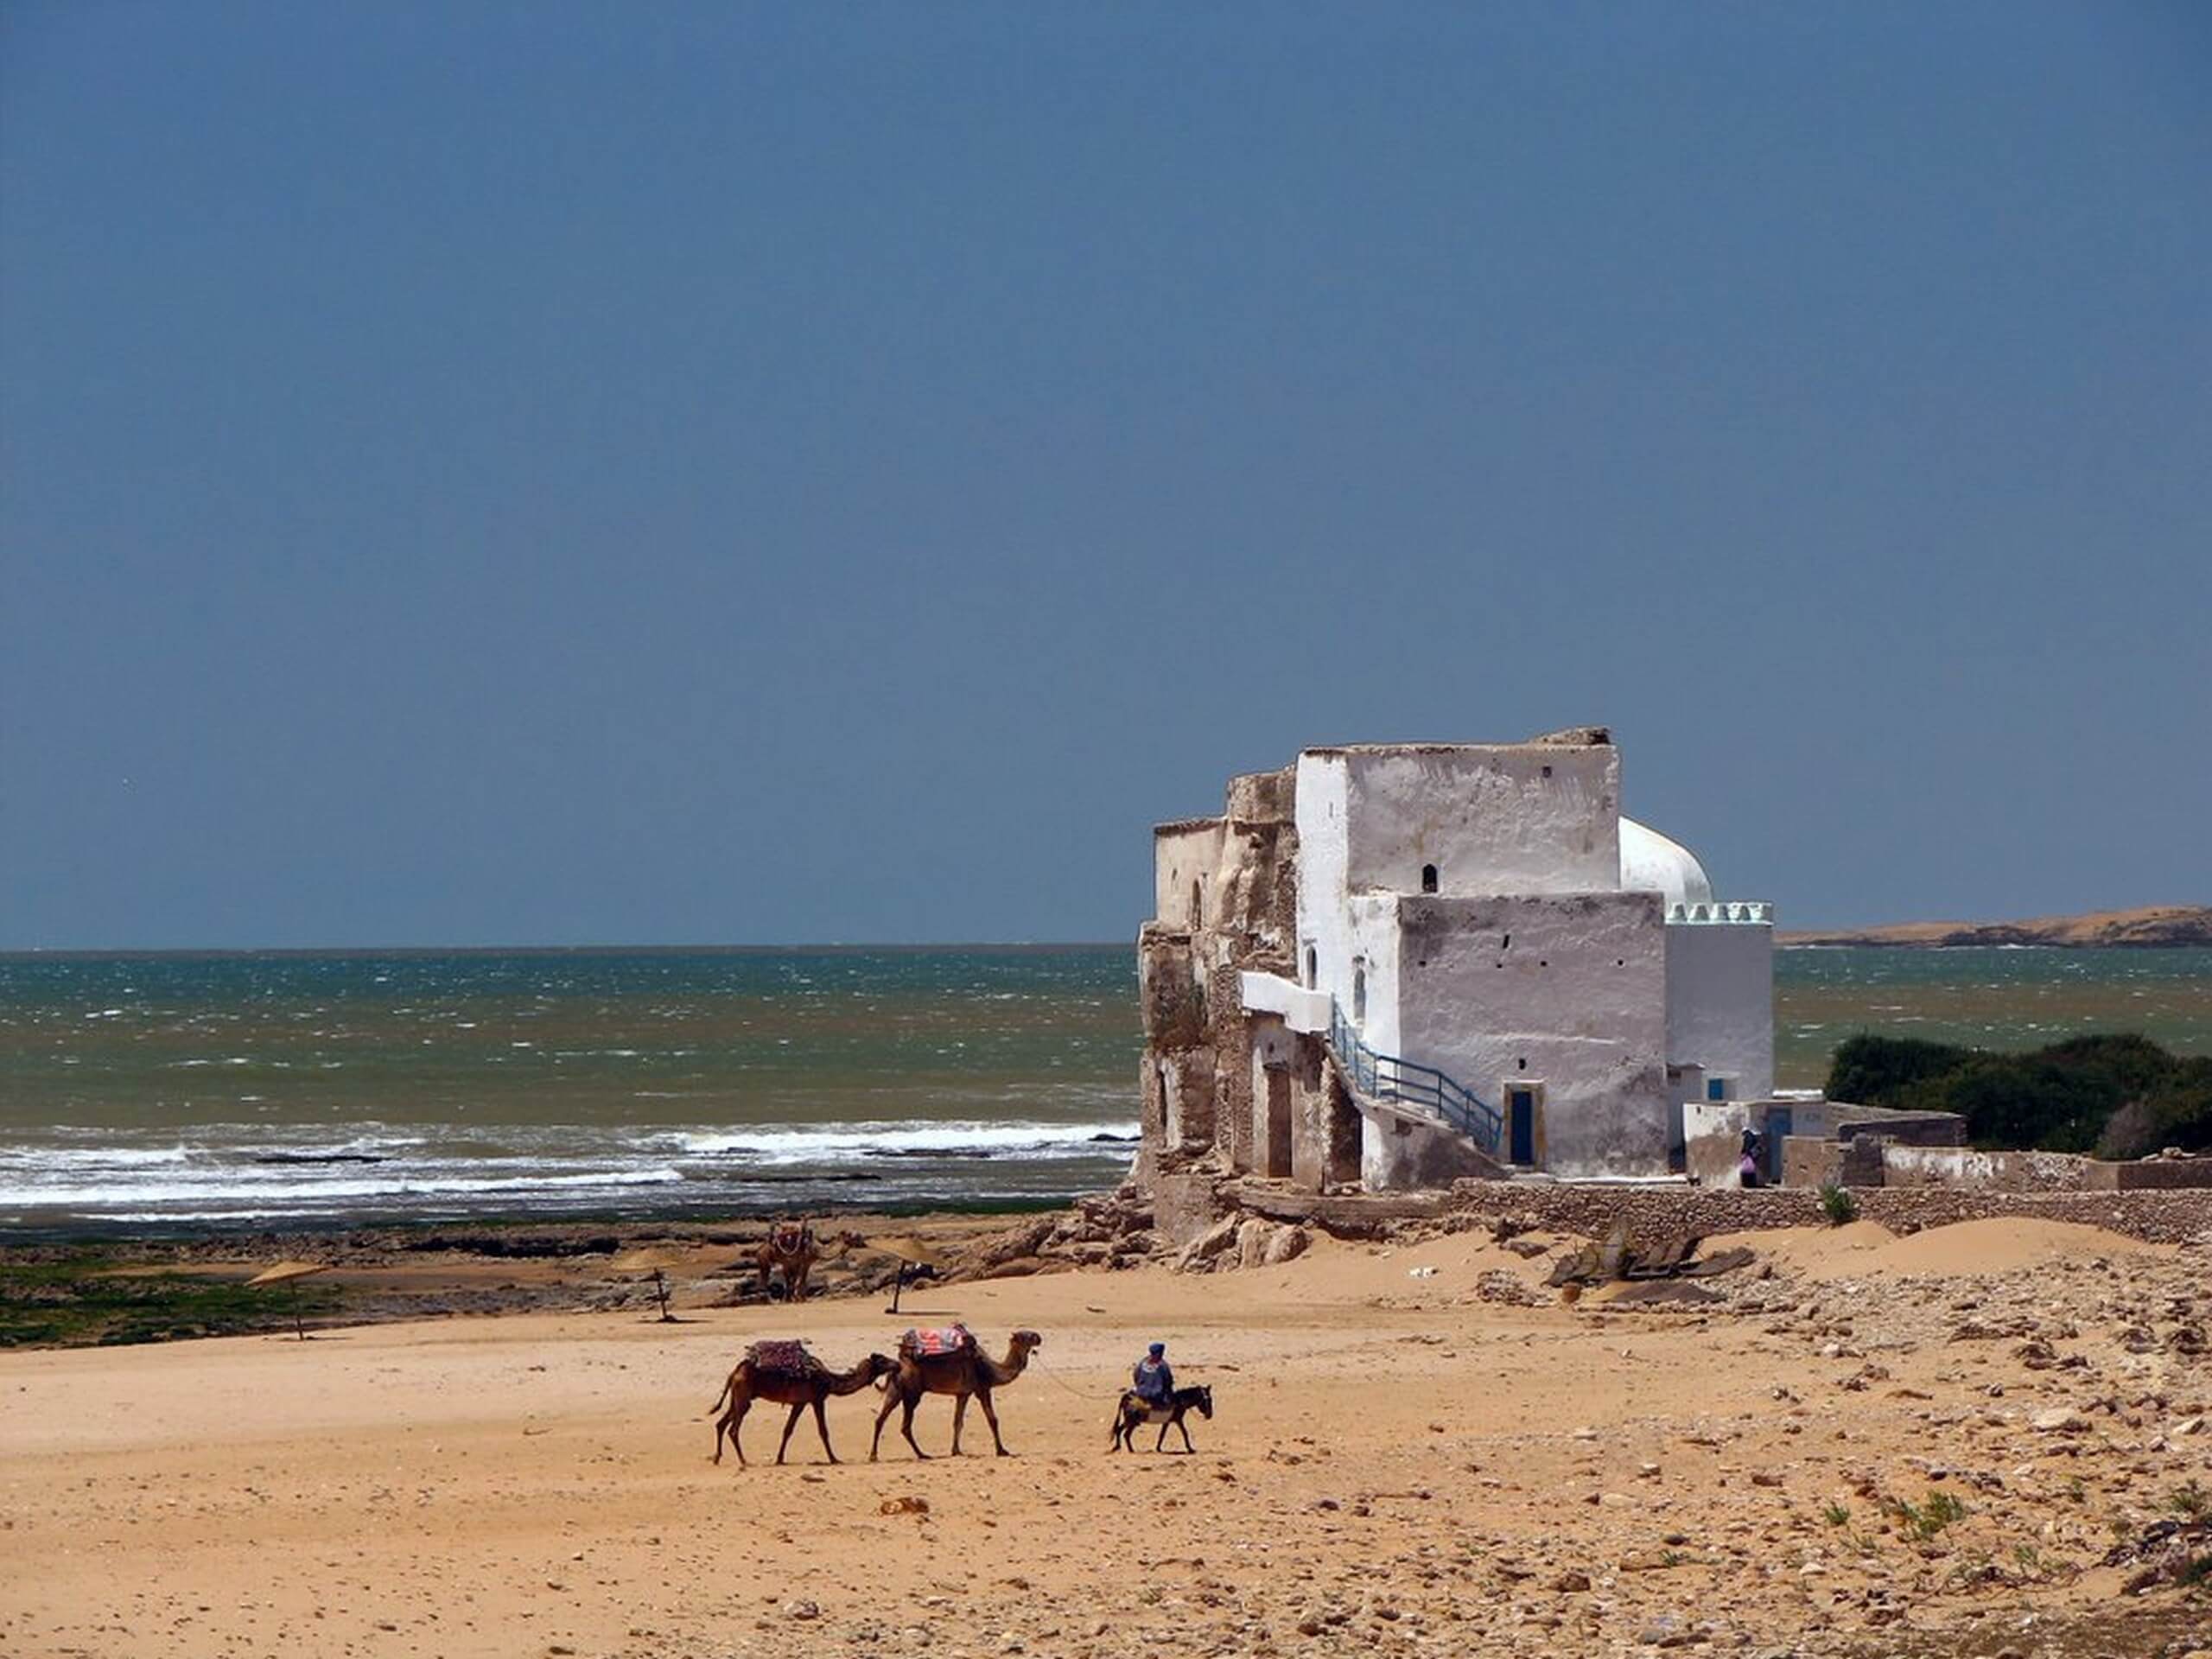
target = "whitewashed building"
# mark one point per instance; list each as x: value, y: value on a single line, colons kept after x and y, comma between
x: 1394, y: 964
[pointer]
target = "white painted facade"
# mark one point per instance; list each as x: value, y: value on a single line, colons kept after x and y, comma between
x: 1484, y: 909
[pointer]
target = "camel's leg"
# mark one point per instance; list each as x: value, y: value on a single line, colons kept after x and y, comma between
x: 822, y: 1427
x: 906, y: 1425
x: 890, y: 1405
x: 735, y: 1418
x: 795, y: 1282
x: 959, y: 1416
x: 983, y: 1399
x: 790, y: 1423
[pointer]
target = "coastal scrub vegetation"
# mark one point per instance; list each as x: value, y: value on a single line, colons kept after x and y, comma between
x: 90, y: 1297
x: 2116, y: 1095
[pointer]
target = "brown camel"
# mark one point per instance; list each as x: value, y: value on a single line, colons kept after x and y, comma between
x: 792, y: 1247
x: 965, y: 1370
x: 785, y: 1374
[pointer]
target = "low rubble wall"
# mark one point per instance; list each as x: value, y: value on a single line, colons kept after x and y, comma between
x: 2159, y: 1216
x: 2147, y: 1174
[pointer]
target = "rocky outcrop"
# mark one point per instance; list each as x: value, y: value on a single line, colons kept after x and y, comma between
x: 2151, y: 926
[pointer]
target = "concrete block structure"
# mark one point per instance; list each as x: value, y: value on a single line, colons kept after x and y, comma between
x: 1393, y: 965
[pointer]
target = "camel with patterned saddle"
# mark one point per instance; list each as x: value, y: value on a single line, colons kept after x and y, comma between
x: 792, y: 1248
x: 949, y: 1362
x: 784, y: 1374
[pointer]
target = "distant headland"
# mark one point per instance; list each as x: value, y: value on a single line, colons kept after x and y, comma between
x: 2151, y: 926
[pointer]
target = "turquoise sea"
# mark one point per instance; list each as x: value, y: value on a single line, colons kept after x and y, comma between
x: 184, y: 1092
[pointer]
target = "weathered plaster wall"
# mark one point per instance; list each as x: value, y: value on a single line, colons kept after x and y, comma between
x: 1564, y: 991
x: 1720, y: 1000
x: 1398, y: 1154
x: 1524, y: 818
x: 1713, y: 1140
x: 1324, y: 949
x: 2000, y: 1171
x: 1258, y: 797
x: 1372, y: 936
x: 1713, y: 1133
x: 1225, y: 897
x: 1184, y: 855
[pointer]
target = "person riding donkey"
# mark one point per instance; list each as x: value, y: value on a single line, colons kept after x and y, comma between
x: 1155, y: 1381
x: 1156, y: 1399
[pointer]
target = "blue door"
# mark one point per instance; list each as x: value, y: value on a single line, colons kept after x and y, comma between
x: 1777, y: 1125
x: 1520, y: 1115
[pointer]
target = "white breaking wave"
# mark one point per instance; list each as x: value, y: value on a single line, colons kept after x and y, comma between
x: 236, y: 1184
x: 858, y: 1142
x: 243, y: 1171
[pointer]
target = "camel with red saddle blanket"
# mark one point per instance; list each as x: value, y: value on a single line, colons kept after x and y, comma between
x: 785, y: 1374
x: 951, y: 1362
x: 792, y: 1247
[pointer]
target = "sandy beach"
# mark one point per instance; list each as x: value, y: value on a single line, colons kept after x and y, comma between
x: 1404, y: 1459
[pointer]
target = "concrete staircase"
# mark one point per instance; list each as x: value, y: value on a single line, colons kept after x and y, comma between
x: 1385, y: 1085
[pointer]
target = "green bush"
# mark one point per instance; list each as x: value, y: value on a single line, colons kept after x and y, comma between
x: 1874, y: 1071
x: 1838, y: 1205
x: 2117, y: 1094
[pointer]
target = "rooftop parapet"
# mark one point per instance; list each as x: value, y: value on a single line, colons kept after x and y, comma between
x: 1756, y: 913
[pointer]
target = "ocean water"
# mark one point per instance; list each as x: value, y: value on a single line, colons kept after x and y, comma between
x: 189, y: 1092
x: 288, y: 1090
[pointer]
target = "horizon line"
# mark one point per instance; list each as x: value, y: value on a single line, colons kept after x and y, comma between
x: 25, y: 953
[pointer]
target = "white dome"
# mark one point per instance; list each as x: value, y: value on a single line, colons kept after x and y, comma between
x: 1652, y: 863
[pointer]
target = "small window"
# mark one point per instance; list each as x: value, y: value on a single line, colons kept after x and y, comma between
x: 1359, y: 996
x: 1429, y: 878
x: 1312, y: 969
x: 1716, y: 1088
x: 1198, y: 905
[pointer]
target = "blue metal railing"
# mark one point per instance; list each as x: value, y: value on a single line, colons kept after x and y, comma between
x: 1385, y: 1076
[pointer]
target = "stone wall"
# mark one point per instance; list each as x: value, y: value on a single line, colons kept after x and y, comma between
x: 2147, y: 1174
x: 1226, y: 892
x: 2167, y: 1217
x: 1904, y: 1167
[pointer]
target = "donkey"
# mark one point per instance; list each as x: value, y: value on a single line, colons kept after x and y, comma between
x: 1135, y: 1410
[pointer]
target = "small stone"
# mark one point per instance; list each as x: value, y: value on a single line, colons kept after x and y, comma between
x: 803, y: 1610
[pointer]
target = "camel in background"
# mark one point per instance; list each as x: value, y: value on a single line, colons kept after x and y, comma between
x: 966, y: 1370
x: 792, y: 1247
x: 785, y: 1374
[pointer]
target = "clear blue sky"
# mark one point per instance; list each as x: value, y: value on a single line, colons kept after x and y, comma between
x: 568, y: 472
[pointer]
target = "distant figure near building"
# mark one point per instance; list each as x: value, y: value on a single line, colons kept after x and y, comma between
x: 1392, y: 965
